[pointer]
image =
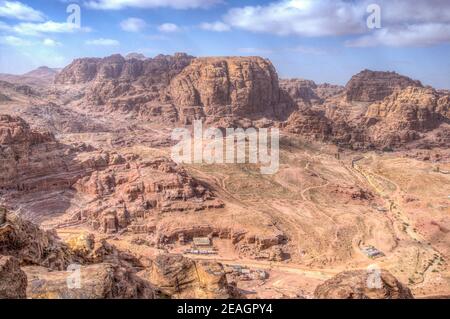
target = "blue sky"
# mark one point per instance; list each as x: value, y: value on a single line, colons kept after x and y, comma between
x: 322, y: 40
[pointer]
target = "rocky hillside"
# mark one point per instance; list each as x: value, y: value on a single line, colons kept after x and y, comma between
x: 377, y: 110
x: 33, y: 264
x: 38, y: 77
x: 120, y: 188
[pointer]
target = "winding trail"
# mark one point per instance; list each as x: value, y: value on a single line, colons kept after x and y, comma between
x: 399, y: 216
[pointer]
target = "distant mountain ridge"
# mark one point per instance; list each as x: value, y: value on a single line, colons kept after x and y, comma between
x: 41, y: 75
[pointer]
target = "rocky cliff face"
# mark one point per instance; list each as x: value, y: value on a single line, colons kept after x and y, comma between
x: 180, y: 88
x: 371, y: 86
x: 181, y: 277
x: 363, y: 285
x: 220, y: 87
x: 97, y: 281
x: 118, y: 84
x: 18, y: 144
x: 30, y: 245
x: 115, y: 67
x: 407, y: 115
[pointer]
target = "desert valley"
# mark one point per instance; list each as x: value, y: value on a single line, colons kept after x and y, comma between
x: 87, y: 181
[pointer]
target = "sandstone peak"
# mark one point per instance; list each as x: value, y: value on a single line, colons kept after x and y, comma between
x: 42, y: 71
x: 219, y: 86
x: 371, y: 86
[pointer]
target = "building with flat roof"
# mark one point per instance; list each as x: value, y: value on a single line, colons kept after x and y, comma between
x: 372, y: 252
x: 201, y: 242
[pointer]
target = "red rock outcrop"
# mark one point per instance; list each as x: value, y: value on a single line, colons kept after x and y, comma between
x: 403, y: 116
x: 30, y: 245
x: 98, y: 281
x: 117, y: 84
x: 380, y: 110
x: 363, y: 284
x: 137, y: 189
x: 180, y: 277
x: 371, y: 86
x: 310, y: 123
x: 104, y: 271
x: 115, y: 67
x: 238, y: 86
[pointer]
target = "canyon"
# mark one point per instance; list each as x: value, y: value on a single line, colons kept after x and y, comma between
x: 87, y: 179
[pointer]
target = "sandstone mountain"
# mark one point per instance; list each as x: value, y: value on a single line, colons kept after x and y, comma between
x: 377, y: 110
x: 180, y: 88
x: 218, y: 87
x: 150, y: 71
x: 226, y: 91
x: 116, y: 84
x: 371, y: 86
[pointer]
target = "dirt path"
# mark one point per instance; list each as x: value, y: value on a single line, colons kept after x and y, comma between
x: 399, y: 217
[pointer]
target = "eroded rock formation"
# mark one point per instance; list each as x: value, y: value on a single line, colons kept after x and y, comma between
x: 230, y: 86
x: 97, y: 281
x: 371, y: 86
x: 180, y: 277
x: 363, y: 284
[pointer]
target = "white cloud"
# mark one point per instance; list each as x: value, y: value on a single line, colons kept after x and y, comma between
x: 406, y: 36
x: 169, y: 28
x: 133, y: 25
x: 404, y: 22
x: 14, y: 41
x: 103, y: 42
x: 36, y: 29
x: 175, y: 4
x: 300, y: 17
x: 19, y: 11
x: 51, y: 43
x: 217, y: 26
